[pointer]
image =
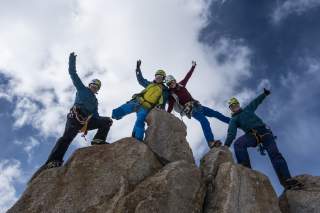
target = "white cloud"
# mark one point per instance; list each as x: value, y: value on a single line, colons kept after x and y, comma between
x: 109, y: 36
x: 28, y: 146
x: 290, y: 7
x: 10, y: 173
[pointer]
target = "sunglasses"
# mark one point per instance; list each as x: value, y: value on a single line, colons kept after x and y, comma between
x: 95, y: 86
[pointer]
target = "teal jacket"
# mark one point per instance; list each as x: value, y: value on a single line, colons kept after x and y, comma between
x: 245, y: 119
x: 85, y: 99
x: 144, y: 82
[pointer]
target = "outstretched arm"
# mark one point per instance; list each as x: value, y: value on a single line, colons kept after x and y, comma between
x: 232, y: 132
x: 253, y: 105
x: 73, y: 72
x: 187, y: 77
x: 142, y: 81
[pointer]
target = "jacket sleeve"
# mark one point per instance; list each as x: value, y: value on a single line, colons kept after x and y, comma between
x: 142, y: 81
x: 232, y: 132
x: 253, y: 105
x: 75, y: 78
x: 171, y: 102
x: 187, y: 77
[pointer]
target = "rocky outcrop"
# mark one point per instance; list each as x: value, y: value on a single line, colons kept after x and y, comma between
x: 176, y: 188
x: 232, y: 188
x: 166, y: 137
x: 306, y: 200
x: 93, y: 180
x: 159, y: 176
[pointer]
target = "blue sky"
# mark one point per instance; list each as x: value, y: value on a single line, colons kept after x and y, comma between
x: 240, y: 47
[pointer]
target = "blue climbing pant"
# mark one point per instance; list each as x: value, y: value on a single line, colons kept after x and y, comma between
x: 130, y: 107
x: 201, y: 113
x: 248, y: 140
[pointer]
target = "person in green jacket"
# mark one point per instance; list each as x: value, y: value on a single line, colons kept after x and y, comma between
x: 256, y: 134
x: 153, y: 95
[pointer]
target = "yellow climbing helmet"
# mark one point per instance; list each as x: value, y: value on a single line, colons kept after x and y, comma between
x: 232, y: 101
x: 161, y: 72
x: 96, y: 82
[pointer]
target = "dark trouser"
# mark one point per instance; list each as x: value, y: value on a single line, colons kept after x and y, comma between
x: 72, y: 129
x: 278, y: 162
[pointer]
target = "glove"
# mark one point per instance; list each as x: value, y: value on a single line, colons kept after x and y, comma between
x: 138, y: 64
x: 266, y: 92
x: 72, y: 61
x: 226, y: 145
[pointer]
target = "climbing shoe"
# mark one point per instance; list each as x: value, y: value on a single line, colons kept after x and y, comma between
x: 293, y: 184
x: 213, y: 144
x: 49, y: 165
x: 53, y: 164
x: 98, y: 142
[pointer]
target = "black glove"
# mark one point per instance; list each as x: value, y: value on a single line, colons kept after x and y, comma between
x: 72, y: 61
x: 138, y: 64
x: 266, y: 92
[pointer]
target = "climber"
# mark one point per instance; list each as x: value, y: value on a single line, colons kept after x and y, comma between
x: 83, y: 116
x: 154, y: 95
x: 256, y: 134
x: 181, y: 101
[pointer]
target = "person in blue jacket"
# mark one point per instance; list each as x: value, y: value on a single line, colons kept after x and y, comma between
x: 83, y: 116
x: 154, y: 94
x: 256, y: 134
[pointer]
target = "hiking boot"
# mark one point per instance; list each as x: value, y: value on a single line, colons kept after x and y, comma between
x: 53, y: 164
x: 213, y: 144
x: 293, y: 184
x: 49, y: 165
x: 98, y: 142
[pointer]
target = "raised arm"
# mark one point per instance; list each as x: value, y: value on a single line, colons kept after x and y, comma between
x: 232, y: 133
x: 142, y: 81
x: 73, y: 72
x: 253, y: 105
x: 187, y: 77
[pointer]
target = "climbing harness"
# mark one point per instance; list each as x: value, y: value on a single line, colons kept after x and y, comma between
x: 75, y: 112
x: 259, y: 138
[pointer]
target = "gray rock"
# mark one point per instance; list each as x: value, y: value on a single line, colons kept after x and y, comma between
x: 306, y: 200
x: 166, y: 137
x: 209, y: 164
x: 176, y: 188
x: 93, y: 180
x: 232, y: 188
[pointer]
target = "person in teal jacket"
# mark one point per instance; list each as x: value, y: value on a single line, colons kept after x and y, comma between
x: 83, y: 116
x: 256, y: 134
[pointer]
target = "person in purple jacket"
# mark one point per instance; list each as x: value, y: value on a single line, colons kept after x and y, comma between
x: 181, y: 100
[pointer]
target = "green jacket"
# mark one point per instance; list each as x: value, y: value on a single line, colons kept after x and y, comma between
x: 245, y: 119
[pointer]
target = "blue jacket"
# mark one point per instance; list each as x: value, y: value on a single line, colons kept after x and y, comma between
x: 85, y: 99
x: 245, y: 119
x: 144, y: 82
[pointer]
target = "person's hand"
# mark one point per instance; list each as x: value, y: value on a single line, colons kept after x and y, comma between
x: 226, y: 146
x: 266, y: 91
x: 194, y: 63
x: 72, y: 61
x: 217, y: 143
x: 138, y: 64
